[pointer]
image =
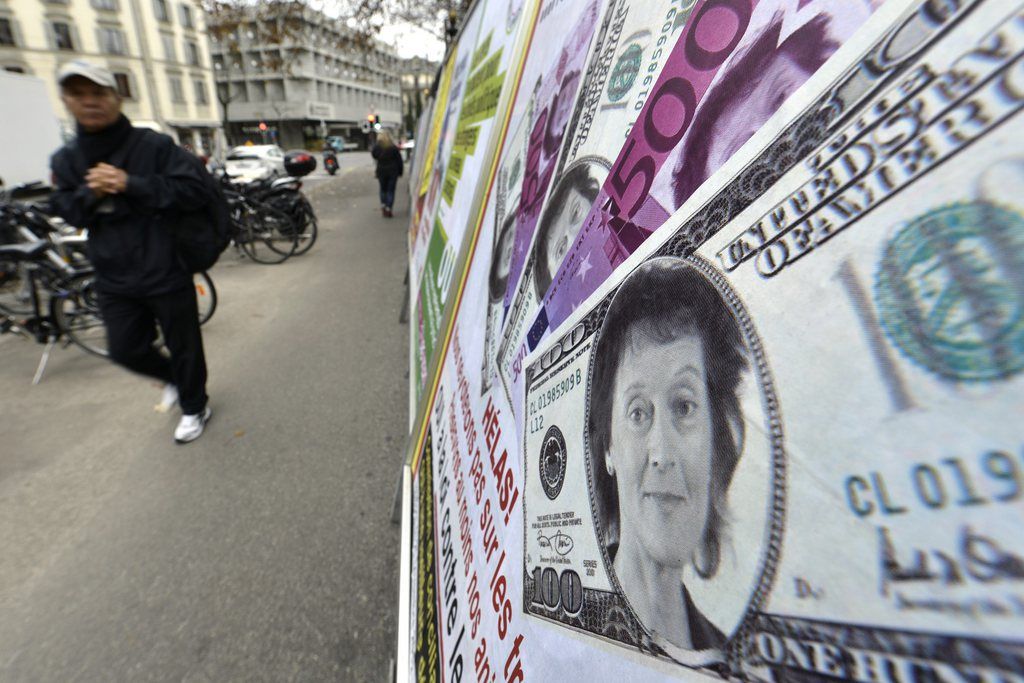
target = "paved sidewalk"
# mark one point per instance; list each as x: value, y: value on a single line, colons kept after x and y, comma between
x: 262, y: 552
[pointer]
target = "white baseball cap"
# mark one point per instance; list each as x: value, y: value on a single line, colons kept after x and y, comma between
x: 95, y: 73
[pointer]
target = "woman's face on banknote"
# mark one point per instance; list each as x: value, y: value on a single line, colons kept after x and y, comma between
x: 559, y: 114
x: 564, y: 228
x: 779, y: 78
x: 660, y: 448
x: 503, y: 251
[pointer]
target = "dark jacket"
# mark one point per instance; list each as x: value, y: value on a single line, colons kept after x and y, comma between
x: 389, y: 160
x: 130, y: 240
x: 703, y: 633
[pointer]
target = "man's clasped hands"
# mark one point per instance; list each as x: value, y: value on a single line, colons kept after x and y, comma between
x: 104, y: 179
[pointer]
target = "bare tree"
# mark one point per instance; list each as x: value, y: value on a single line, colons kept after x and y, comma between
x: 235, y: 25
x: 232, y: 23
x: 363, y: 18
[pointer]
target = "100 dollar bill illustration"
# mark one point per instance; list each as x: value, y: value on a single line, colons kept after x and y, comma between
x: 785, y: 443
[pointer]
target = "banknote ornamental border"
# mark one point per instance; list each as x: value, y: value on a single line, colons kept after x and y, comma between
x: 770, y: 559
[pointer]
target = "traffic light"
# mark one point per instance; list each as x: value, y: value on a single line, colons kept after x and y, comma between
x: 263, y: 127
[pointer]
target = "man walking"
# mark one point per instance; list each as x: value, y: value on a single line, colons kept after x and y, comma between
x: 127, y: 186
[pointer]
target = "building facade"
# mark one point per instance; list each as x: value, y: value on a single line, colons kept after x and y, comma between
x: 301, y: 83
x: 157, y: 50
x: 417, y: 78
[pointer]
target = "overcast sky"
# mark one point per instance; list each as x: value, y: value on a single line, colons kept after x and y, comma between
x: 412, y: 41
x: 408, y: 39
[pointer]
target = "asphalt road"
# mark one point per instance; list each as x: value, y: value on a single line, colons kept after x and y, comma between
x: 263, y: 551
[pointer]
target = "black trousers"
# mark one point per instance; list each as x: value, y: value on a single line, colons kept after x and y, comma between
x: 387, y: 189
x: 131, y: 330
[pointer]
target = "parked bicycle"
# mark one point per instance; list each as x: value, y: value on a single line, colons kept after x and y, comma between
x: 46, y: 300
x: 47, y: 286
x: 286, y: 195
x: 262, y: 232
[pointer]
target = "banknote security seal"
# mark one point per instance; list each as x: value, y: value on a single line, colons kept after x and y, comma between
x: 553, y: 462
x: 625, y: 72
x: 950, y: 291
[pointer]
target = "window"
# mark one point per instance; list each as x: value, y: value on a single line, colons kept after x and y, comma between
x: 124, y: 85
x: 186, y: 16
x: 62, y: 36
x: 177, y: 91
x: 192, y: 52
x: 160, y: 10
x: 6, y: 32
x: 200, y: 88
x: 109, y: 5
x: 111, y: 41
x: 168, y: 40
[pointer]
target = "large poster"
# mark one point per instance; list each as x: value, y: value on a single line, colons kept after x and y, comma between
x: 781, y: 437
x: 456, y: 164
x: 471, y: 465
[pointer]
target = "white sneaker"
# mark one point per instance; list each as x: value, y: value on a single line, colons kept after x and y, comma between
x: 190, y: 427
x: 167, y: 399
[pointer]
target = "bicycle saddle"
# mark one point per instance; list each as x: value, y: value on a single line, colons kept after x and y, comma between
x: 25, y: 251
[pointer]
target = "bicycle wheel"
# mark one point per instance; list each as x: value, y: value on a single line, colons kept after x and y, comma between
x: 206, y: 296
x: 307, y: 226
x: 76, y: 311
x: 304, y: 222
x: 268, y: 236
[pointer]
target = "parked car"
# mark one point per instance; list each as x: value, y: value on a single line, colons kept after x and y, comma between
x: 255, y: 162
x: 339, y: 144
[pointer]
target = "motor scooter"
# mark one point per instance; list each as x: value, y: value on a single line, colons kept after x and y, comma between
x: 330, y: 161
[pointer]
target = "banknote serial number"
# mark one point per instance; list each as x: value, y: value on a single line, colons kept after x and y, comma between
x: 550, y: 395
x: 992, y: 477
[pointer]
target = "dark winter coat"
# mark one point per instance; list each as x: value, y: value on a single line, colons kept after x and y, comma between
x: 389, y: 161
x: 131, y: 244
